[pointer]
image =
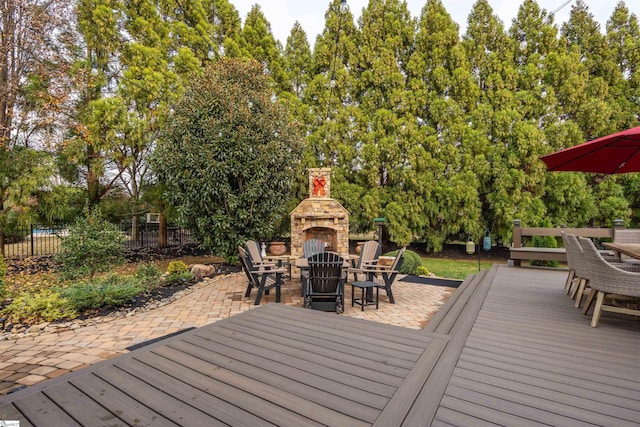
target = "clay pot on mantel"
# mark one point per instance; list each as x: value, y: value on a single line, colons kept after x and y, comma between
x: 277, y: 248
x: 359, y: 247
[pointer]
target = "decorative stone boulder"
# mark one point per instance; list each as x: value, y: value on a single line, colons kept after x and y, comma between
x: 200, y: 271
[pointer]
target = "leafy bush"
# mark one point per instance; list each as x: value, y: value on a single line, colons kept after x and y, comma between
x: 229, y: 155
x: 107, y: 291
x: 177, y: 278
x: 421, y: 270
x: 45, y: 305
x: 177, y: 267
x: 410, y: 262
x: 544, y: 242
x: 148, y: 275
x: 92, y: 245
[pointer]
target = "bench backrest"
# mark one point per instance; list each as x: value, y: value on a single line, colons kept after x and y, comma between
x: 519, y: 232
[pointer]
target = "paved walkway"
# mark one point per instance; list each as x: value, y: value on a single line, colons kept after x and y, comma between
x: 32, y: 359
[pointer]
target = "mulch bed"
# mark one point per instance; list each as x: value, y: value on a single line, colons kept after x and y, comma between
x: 47, y: 264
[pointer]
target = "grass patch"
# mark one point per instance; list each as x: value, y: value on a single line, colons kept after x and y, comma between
x: 454, y: 269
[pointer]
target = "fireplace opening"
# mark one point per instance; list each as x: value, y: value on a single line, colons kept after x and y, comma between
x: 326, y: 235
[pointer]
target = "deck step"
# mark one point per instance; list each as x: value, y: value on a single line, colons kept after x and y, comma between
x: 445, y: 318
x: 453, y: 322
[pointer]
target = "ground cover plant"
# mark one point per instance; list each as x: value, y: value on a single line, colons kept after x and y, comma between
x: 73, y: 289
x: 454, y: 268
x: 41, y: 296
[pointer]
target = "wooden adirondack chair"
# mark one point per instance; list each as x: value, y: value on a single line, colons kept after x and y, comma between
x: 312, y: 246
x: 369, y: 253
x: 254, y: 251
x: 324, y: 289
x: 384, y: 276
x: 263, y: 277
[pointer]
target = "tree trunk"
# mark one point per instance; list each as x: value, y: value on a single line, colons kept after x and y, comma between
x: 134, y: 228
x: 93, y: 184
x: 162, y: 232
x: 2, y: 244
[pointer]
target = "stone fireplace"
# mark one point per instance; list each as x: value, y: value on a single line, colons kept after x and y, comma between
x: 320, y: 217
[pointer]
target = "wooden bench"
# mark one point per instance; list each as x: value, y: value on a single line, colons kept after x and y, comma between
x: 517, y: 252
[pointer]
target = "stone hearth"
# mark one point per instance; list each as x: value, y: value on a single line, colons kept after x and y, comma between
x: 320, y: 217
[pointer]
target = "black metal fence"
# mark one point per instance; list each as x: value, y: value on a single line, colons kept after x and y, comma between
x: 25, y: 241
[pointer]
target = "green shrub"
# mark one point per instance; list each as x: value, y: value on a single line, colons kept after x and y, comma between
x: 544, y: 242
x: 177, y: 267
x: 92, y: 245
x: 410, y: 262
x: 178, y: 272
x: 148, y: 275
x: 108, y: 291
x: 177, y: 278
x: 421, y: 270
x: 45, y: 305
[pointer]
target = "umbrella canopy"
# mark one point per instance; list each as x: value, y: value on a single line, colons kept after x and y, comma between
x: 615, y: 153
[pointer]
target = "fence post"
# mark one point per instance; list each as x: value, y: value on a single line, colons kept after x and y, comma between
x: 517, y: 238
x: 32, y: 243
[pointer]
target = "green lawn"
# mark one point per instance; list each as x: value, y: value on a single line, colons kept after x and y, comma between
x: 454, y: 269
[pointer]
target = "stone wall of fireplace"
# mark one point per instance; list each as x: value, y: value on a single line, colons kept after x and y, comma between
x: 320, y: 217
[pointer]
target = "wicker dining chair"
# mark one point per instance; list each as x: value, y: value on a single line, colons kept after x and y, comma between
x: 607, y: 279
x: 626, y: 236
x: 571, y: 262
x: 575, y: 257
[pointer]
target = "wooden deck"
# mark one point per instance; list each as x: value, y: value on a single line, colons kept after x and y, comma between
x: 508, y: 348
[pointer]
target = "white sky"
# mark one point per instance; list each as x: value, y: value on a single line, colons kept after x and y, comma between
x: 282, y: 14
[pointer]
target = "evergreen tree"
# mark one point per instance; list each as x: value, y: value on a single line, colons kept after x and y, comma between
x: 259, y: 43
x: 623, y: 43
x: 441, y: 93
x: 329, y: 99
x: 297, y: 60
x: 518, y: 139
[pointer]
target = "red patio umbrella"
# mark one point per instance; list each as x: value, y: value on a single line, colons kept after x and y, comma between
x: 615, y: 153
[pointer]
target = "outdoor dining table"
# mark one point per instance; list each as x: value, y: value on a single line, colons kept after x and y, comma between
x: 630, y: 249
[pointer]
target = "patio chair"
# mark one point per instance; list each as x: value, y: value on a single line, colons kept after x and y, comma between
x: 263, y: 277
x: 254, y: 250
x: 369, y: 253
x: 571, y: 262
x: 576, y: 261
x: 312, y: 246
x: 384, y: 276
x: 626, y: 236
x: 608, y: 280
x: 324, y: 289
x: 580, y: 285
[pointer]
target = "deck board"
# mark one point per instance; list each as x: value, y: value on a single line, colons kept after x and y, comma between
x: 85, y: 410
x: 271, y: 365
x: 508, y: 348
x: 9, y: 412
x: 318, y: 377
x: 181, y: 363
x: 348, y: 350
x: 533, y: 356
